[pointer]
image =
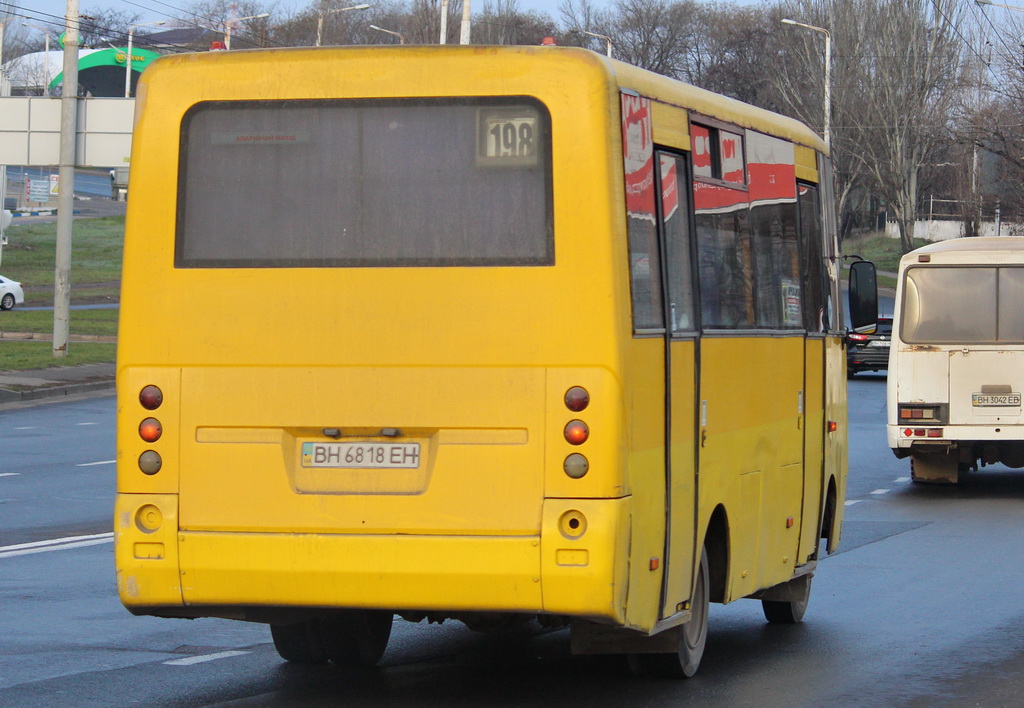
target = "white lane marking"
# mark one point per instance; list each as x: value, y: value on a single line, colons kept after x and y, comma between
x: 851, y: 502
x: 880, y: 491
x: 87, y: 423
x: 55, y: 544
x: 26, y: 427
x: 902, y: 479
x: 93, y: 464
x: 9, y: 474
x: 204, y: 658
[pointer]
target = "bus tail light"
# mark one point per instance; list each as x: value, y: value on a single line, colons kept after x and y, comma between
x: 151, y: 397
x: 918, y: 413
x: 576, y: 399
x: 577, y: 432
x: 150, y: 462
x: 150, y: 430
x: 923, y: 432
x: 576, y: 465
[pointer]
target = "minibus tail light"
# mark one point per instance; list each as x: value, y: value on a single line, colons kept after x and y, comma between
x: 151, y: 397
x: 150, y: 430
x: 577, y: 432
x: 576, y: 399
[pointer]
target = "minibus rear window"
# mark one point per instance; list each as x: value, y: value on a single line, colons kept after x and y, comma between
x: 400, y: 182
x: 966, y: 304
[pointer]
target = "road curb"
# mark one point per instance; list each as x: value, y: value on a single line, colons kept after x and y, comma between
x: 73, y: 338
x: 60, y: 390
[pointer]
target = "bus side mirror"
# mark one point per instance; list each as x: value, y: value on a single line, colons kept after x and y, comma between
x: 863, y: 297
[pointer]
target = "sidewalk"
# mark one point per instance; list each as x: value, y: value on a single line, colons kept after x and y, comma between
x: 58, y: 381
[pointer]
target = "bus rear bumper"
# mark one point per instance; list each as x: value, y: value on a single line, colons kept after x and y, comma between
x: 166, y: 571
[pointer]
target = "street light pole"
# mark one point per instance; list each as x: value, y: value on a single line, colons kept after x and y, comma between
x: 320, y: 19
x: 605, y: 37
x: 995, y: 4
x: 827, y: 131
x: 231, y: 23
x: 46, y: 44
x: 128, y: 59
x: 401, y: 39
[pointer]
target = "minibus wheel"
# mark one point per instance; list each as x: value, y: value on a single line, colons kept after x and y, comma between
x: 789, y: 611
x: 357, y: 638
x: 300, y: 642
x: 692, y: 636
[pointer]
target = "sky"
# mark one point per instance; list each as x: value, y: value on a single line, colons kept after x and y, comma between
x: 46, y: 11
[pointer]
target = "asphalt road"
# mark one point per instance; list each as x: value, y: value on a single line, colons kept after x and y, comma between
x: 922, y: 606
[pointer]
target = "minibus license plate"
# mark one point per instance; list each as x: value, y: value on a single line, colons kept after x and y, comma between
x: 980, y: 400
x: 361, y: 455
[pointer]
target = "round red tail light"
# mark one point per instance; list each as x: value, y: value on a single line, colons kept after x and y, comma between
x: 576, y: 399
x: 150, y: 430
x: 151, y: 397
x: 577, y: 432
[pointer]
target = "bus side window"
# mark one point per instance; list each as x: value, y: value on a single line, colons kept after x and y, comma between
x: 813, y: 273
x: 641, y: 222
x: 675, y: 227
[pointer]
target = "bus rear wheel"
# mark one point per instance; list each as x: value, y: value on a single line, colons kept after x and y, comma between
x: 693, y: 636
x: 791, y: 610
x: 300, y: 642
x: 356, y: 638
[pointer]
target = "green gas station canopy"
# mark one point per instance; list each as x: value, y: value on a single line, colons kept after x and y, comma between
x: 101, y: 72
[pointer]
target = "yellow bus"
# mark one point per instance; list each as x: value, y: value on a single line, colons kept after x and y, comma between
x: 485, y: 333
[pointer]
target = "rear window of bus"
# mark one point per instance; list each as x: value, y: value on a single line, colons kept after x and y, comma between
x: 963, y: 304
x: 410, y: 182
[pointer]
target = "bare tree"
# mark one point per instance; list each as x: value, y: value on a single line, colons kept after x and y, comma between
x: 502, y: 22
x: 98, y: 28
x: 897, y: 73
x: 217, y: 15
x: 910, y: 73
x: 993, y: 123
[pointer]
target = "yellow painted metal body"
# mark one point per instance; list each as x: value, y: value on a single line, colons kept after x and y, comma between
x: 252, y: 362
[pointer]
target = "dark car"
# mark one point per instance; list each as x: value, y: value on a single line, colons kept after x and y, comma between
x: 869, y: 352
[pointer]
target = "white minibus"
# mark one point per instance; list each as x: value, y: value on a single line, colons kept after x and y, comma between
x: 956, y: 367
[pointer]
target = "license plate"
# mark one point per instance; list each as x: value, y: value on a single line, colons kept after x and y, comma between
x: 982, y: 400
x: 361, y: 455
x: 879, y: 343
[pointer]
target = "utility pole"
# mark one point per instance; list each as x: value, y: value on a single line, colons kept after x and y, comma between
x: 464, y: 36
x: 3, y: 168
x: 66, y: 197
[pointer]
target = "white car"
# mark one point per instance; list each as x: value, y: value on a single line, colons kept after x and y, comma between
x: 11, y: 293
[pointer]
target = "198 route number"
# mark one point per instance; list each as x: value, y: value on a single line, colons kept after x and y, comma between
x: 508, y: 137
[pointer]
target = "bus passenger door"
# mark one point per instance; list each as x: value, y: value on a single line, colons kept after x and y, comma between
x: 815, y: 289
x: 662, y: 393
x: 680, y: 382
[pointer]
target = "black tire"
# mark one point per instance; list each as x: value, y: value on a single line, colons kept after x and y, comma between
x: 301, y: 642
x: 693, y: 636
x: 354, y: 638
x: 357, y: 638
x: 7, y: 302
x: 787, y: 611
